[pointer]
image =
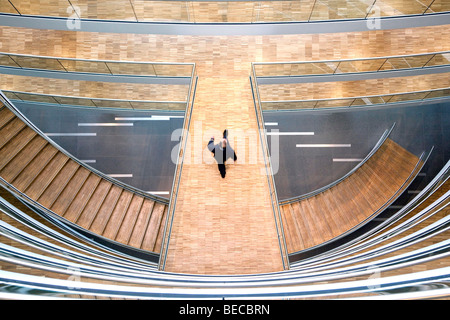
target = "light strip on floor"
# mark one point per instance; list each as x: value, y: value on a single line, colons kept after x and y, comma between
x: 323, y: 145
x: 89, y: 161
x: 271, y: 123
x: 151, y: 118
x: 290, y: 133
x: 127, y: 124
x: 120, y: 175
x: 78, y: 134
x: 347, y: 160
x: 158, y: 192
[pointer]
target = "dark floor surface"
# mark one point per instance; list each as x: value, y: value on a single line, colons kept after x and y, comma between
x: 142, y: 150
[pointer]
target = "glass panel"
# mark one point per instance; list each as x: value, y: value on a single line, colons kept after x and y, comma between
x: 75, y: 101
x: 335, y: 103
x: 107, y: 10
x: 397, y: 63
x: 11, y: 95
x: 439, y: 6
x: 112, y: 104
x: 36, y: 97
x: 38, y: 63
x: 54, y: 8
x: 167, y: 70
x: 6, y: 60
x: 408, y: 97
x: 438, y: 93
x: 162, y: 10
x: 288, y: 105
x: 269, y: 70
x: 377, y: 100
x: 218, y: 11
x: 85, y: 66
x: 439, y: 59
x: 360, y: 65
x: 131, y: 68
x: 270, y: 11
x: 418, y: 61
x: 6, y: 7
x: 339, y: 9
x: 158, y: 105
x: 399, y: 7
x: 360, y: 102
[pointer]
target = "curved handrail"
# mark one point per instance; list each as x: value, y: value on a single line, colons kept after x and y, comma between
x: 353, y: 60
x: 75, y: 229
x: 360, y: 97
x: 377, y: 146
x: 190, y: 14
x: 299, y: 276
x: 85, y: 253
x: 268, y: 285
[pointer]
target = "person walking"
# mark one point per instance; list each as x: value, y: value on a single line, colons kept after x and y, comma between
x: 222, y: 152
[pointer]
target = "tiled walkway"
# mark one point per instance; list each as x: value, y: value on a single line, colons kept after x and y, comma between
x: 224, y: 226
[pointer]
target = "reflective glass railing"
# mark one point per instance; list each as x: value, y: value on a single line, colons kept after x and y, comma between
x: 135, y: 68
x: 225, y: 11
x: 331, y: 67
x: 361, y: 101
x: 96, y: 102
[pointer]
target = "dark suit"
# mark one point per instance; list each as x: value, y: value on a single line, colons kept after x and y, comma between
x: 221, y: 155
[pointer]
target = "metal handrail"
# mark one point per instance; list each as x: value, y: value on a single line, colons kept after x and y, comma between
x: 99, y: 60
x: 90, y: 98
x: 299, y: 275
x: 87, y: 254
x: 178, y: 171
x: 270, y: 176
x: 358, y: 97
x: 353, y: 59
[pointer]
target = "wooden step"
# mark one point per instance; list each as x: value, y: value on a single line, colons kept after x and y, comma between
x: 22, y: 159
x: 82, y: 198
x: 118, y: 214
x: 63, y: 196
x: 47, y: 190
x: 106, y: 210
x: 319, y: 217
x: 46, y: 176
x: 146, y: 214
x: 332, y: 219
x: 15, y: 145
x: 129, y: 220
x: 93, y: 205
x: 150, y: 235
x: 34, y: 168
x: 10, y: 130
x: 159, y: 239
x: 304, y: 225
x: 6, y: 115
x: 293, y: 235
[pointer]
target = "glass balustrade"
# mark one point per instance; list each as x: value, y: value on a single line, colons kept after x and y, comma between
x: 224, y: 11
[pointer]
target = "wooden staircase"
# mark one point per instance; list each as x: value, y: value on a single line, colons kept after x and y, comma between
x: 45, y: 174
x: 314, y: 220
